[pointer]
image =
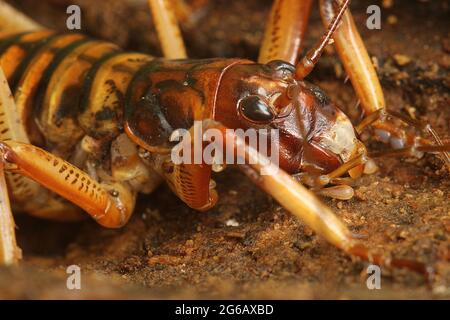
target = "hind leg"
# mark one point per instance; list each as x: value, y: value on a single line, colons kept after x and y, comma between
x: 110, y: 203
x: 285, y: 31
x: 10, y: 253
x: 354, y: 57
x: 41, y: 203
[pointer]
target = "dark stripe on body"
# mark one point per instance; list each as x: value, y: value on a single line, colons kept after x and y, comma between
x: 44, y: 82
x: 31, y: 53
x: 90, y: 76
x: 7, y: 42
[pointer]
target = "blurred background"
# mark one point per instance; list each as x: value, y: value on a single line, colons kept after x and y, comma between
x: 170, y: 251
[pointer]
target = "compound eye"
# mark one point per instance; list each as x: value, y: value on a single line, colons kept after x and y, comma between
x: 282, y: 69
x: 255, y: 110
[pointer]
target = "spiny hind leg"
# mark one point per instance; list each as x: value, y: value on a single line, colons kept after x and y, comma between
x: 403, y: 143
x: 167, y: 28
x: 9, y: 127
x: 10, y: 253
x: 357, y: 63
x: 27, y: 195
x: 110, y: 203
x: 285, y: 31
x: 354, y: 57
x: 45, y: 204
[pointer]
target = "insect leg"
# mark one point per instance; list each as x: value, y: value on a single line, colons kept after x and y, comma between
x: 307, y: 207
x: 10, y: 253
x: 285, y: 31
x: 12, y: 20
x: 287, y: 191
x: 342, y: 190
x: 308, y: 62
x: 28, y: 195
x: 110, y: 203
x: 354, y: 167
x: 398, y: 138
x: 411, y: 151
x: 355, y: 58
x: 362, y: 74
x: 167, y: 28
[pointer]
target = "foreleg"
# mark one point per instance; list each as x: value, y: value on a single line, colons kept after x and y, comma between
x: 303, y: 204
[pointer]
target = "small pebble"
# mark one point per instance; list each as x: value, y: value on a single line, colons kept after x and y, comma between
x: 391, y: 19
x: 403, y: 234
x: 189, y: 243
x: 387, y: 4
x: 232, y: 223
x: 401, y: 59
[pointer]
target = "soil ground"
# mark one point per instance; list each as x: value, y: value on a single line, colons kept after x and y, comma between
x: 170, y: 251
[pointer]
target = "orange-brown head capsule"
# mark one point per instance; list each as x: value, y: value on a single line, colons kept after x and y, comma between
x: 314, y: 134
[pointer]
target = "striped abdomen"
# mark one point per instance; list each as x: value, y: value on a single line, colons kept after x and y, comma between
x: 93, y: 104
x: 67, y: 86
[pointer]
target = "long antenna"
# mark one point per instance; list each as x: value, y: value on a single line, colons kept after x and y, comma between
x: 306, y: 65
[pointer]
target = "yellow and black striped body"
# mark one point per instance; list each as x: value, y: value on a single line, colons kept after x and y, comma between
x: 68, y: 87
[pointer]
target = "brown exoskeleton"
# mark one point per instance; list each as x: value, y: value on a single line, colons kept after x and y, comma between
x: 93, y: 124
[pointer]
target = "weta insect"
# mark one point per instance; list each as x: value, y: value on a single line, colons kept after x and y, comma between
x: 92, y: 123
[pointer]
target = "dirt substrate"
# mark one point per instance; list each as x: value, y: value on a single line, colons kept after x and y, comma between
x: 170, y: 251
